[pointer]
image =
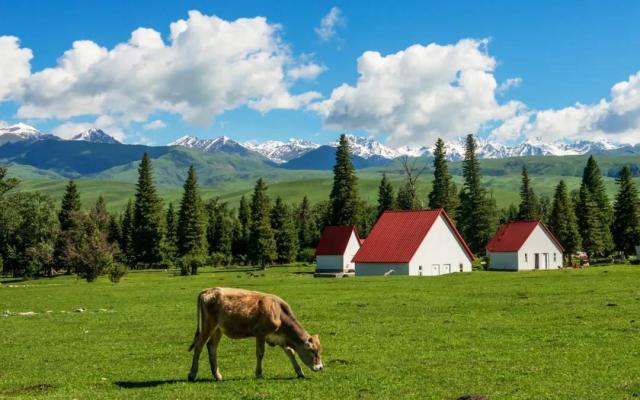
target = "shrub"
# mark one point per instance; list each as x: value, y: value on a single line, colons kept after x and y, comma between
x: 480, y: 264
x: 190, y: 263
x: 307, y: 255
x: 117, y: 271
x: 220, y: 259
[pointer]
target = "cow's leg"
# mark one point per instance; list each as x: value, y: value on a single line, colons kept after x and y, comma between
x: 292, y: 356
x: 203, y: 337
x: 212, y: 347
x: 259, y: 355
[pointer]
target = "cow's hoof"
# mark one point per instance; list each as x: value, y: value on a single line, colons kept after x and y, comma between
x: 217, y: 377
x: 191, y: 378
x: 301, y: 376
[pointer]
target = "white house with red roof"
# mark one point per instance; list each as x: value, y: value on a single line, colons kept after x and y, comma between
x: 336, y: 248
x: 424, y: 242
x: 524, y: 246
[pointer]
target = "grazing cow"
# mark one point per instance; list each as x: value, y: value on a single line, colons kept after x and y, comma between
x: 241, y: 314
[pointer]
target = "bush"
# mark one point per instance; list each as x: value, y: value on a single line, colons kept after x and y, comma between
x: 220, y: 259
x: 190, y: 263
x: 307, y: 255
x: 117, y: 271
x: 480, y: 264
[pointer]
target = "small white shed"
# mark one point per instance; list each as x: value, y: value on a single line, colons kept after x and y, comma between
x: 524, y: 246
x: 419, y: 243
x: 336, y: 248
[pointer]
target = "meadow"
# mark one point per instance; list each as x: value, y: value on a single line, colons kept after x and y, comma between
x: 564, y: 334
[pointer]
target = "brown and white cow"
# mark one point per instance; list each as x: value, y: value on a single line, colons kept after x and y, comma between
x: 241, y: 314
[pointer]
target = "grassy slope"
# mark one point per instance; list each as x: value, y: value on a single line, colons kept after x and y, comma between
x: 535, y: 335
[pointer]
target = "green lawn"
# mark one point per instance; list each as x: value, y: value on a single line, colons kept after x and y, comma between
x: 571, y: 334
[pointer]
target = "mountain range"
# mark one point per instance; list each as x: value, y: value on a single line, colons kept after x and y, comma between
x: 94, y: 151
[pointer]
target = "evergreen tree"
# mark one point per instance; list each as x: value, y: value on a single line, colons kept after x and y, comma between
x: 220, y: 226
x: 191, y: 229
x: 594, y: 184
x: 126, y: 239
x: 344, y: 199
x: 476, y: 215
x: 626, y: 216
x: 146, y: 238
x: 114, y: 232
x: 100, y: 216
x: 545, y: 207
x: 171, y: 234
x: 408, y: 192
x: 307, y: 228
x: 444, y: 192
x: 386, y: 200
x: 590, y: 223
x: 262, y: 244
x: 284, y: 232
x: 241, y: 246
x: 529, y: 209
x: 563, y: 222
x: 70, y: 205
x: 508, y: 214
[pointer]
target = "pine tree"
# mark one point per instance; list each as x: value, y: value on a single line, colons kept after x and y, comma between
x: 70, y: 205
x: 220, y: 226
x: 100, y: 216
x: 386, y: 200
x: 146, y: 238
x: 262, y: 244
x: 126, y: 239
x: 344, y: 200
x: 476, y: 215
x: 626, y: 215
x: 114, y: 232
x: 307, y: 229
x: 590, y: 223
x: 592, y: 180
x: 284, y: 232
x: 191, y: 229
x: 545, y: 207
x: 563, y: 222
x: 241, y: 246
x: 508, y: 214
x: 529, y: 209
x: 171, y: 234
x: 444, y: 192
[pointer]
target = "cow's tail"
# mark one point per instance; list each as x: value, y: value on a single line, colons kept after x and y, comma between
x: 198, y: 320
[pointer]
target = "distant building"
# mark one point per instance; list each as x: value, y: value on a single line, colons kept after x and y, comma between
x: 336, y: 248
x: 524, y: 246
x: 424, y: 242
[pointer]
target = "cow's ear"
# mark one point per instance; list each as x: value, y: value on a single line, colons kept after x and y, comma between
x: 308, y: 344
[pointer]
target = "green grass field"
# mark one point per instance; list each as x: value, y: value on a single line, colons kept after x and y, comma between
x: 570, y: 334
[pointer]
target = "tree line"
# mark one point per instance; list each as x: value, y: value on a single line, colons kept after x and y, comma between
x: 37, y: 238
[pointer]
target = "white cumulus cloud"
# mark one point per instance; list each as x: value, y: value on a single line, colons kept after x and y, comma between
x: 420, y: 93
x: 509, y: 84
x: 329, y: 24
x: 153, y: 125
x: 208, y: 66
x: 15, y: 67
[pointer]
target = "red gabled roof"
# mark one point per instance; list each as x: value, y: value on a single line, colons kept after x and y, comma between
x: 334, y: 240
x: 397, y: 235
x: 510, y: 237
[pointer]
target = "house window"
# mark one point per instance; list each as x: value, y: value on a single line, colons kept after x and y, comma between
x: 554, y: 257
x: 526, y: 259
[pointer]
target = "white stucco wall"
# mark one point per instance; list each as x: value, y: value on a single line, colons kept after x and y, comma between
x: 524, y: 260
x: 372, y: 269
x: 440, y: 252
x: 339, y: 263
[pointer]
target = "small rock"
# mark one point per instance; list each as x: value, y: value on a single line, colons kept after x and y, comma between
x: 26, y: 313
x: 81, y: 310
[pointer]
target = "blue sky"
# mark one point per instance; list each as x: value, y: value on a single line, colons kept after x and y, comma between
x: 554, y: 55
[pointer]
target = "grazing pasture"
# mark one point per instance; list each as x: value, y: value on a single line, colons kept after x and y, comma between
x: 568, y: 334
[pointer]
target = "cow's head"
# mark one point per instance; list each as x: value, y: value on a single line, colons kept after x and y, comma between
x: 309, y: 353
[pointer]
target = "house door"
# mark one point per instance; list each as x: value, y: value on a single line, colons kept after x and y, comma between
x: 536, y: 258
x: 435, y: 269
x: 446, y: 268
x: 546, y: 260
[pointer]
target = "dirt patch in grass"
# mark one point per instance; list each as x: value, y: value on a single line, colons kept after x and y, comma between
x: 31, y: 389
x: 473, y: 397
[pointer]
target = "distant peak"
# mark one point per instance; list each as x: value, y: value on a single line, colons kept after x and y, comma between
x: 95, y: 135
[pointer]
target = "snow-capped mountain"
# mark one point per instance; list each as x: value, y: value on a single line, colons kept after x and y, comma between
x: 280, y: 152
x: 218, y: 144
x: 94, y: 135
x: 18, y: 132
x: 367, y: 147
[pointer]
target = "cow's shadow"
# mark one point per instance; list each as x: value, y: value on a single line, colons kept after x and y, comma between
x: 156, y: 383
